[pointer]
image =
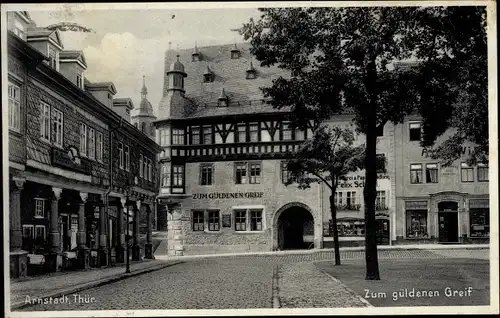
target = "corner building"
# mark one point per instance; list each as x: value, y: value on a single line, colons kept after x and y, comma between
x: 222, y: 178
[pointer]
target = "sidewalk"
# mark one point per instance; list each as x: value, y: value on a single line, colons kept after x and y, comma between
x: 331, y: 250
x: 65, y: 283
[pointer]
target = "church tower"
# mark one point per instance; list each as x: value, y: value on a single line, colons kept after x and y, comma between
x: 143, y: 119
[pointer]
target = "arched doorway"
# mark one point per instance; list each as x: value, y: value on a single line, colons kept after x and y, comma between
x: 295, y: 227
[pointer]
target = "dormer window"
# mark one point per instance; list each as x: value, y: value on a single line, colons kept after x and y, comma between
x: 223, y: 99
x: 79, y: 80
x: 208, y: 76
x: 19, y: 29
x: 53, y: 60
x: 251, y: 73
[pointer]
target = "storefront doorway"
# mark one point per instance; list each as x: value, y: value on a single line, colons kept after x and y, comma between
x: 448, y: 222
x: 383, y: 231
x: 295, y: 225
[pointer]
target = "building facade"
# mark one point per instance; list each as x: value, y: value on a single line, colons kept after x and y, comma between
x: 222, y: 175
x: 63, y: 158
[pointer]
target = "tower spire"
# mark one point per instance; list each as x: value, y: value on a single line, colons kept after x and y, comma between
x: 144, y: 90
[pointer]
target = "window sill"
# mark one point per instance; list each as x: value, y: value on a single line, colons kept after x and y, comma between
x: 418, y: 238
x: 39, y: 217
x: 249, y: 232
x: 15, y: 132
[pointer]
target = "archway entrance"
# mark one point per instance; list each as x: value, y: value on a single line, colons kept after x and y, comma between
x: 295, y: 228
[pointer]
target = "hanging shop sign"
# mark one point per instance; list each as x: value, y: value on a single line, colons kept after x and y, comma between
x: 228, y: 195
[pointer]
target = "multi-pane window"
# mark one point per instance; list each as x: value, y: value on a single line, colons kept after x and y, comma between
x: 431, y: 172
x: 39, y: 207
x: 40, y: 233
x: 83, y: 139
x: 351, y: 198
x: 416, y: 173
x: 53, y: 58
x: 91, y: 149
x: 141, y: 165
x: 467, y: 172
x: 120, y: 155
x: 415, y: 132
x: 14, y: 107
x: 45, y: 121
x: 242, y: 133
x: 99, y: 146
x: 338, y: 199
x: 255, y: 220
x: 165, y: 175
x: 145, y: 167
x: 285, y: 174
x: 482, y: 172
x: 164, y: 137
x: 254, y: 132
x: 287, y: 131
x: 127, y: 158
x: 380, y: 203
x: 241, y: 173
x: 213, y: 220
x: 416, y: 224
x: 255, y: 172
x: 240, y: 220
x: 206, y: 174
x: 207, y: 135
x: 178, y: 176
x: 195, y: 135
x: 57, y: 127
x: 150, y: 170
x: 198, y: 220
x: 479, y: 222
x: 178, y: 136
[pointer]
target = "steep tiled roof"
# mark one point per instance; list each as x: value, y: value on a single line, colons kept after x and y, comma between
x: 244, y: 95
x: 38, y: 32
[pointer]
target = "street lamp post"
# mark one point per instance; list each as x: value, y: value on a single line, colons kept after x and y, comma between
x: 127, y: 267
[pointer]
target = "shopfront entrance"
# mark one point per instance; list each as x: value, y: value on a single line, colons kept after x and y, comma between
x: 448, y: 222
x: 383, y: 231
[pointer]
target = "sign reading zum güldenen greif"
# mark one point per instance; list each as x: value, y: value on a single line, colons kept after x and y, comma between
x: 228, y: 195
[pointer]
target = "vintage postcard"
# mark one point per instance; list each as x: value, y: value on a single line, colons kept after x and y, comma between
x: 260, y: 158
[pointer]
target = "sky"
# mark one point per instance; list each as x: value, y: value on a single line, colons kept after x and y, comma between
x: 127, y: 44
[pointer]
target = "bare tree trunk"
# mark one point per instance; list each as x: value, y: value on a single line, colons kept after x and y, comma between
x: 333, y: 210
x: 370, y: 189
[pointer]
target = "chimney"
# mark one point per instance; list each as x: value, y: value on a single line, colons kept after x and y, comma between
x: 123, y: 106
x: 103, y: 92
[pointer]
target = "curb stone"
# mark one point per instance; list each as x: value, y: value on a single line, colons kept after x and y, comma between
x: 345, y: 286
x: 96, y: 283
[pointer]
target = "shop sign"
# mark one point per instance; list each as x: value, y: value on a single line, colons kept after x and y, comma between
x: 69, y: 159
x: 358, y: 181
x: 466, y: 150
x: 228, y: 195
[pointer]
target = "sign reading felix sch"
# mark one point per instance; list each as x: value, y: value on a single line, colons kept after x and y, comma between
x: 228, y: 195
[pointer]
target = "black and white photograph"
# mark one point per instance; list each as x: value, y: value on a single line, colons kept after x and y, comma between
x: 250, y: 158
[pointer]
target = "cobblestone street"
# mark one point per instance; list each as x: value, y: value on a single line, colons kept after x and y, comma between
x: 238, y: 283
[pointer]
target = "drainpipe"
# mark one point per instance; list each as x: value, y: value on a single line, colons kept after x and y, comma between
x: 106, y: 194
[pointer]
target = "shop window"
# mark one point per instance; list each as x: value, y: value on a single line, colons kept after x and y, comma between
x: 431, y: 173
x: 380, y: 201
x: 351, y: 227
x: 479, y: 222
x: 482, y: 172
x: 198, y: 220
x: 416, y: 173
x: 467, y: 172
x: 415, y: 132
x: 240, y: 220
x: 206, y: 174
x: 213, y: 220
x: 39, y: 208
x: 416, y: 224
x: 178, y: 136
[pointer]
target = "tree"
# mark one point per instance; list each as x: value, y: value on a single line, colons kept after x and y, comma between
x: 342, y: 60
x: 326, y: 158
